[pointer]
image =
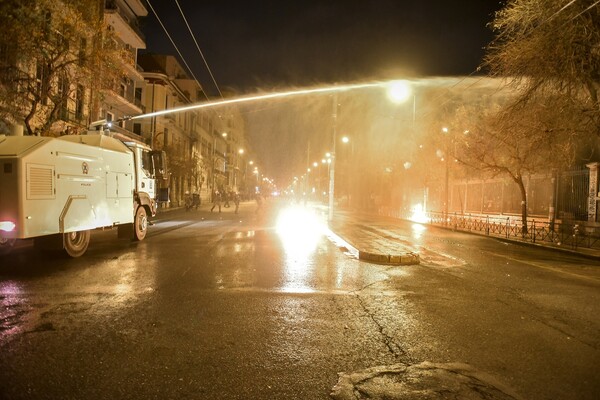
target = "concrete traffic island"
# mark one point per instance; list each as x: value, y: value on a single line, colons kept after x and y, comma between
x: 369, y: 245
x: 408, y: 258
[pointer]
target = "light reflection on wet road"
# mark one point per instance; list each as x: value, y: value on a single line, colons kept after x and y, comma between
x: 257, y: 305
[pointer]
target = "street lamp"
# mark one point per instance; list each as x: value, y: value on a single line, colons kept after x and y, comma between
x: 399, y: 92
x: 257, y: 177
x: 446, y: 178
x: 348, y: 162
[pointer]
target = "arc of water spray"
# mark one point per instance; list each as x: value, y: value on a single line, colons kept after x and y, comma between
x: 255, y: 98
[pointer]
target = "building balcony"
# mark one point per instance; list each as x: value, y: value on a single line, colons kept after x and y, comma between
x: 128, y: 56
x: 119, y: 101
x: 125, y: 27
x: 138, y: 7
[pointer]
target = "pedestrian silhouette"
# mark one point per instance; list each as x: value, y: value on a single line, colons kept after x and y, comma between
x: 236, y: 200
x: 216, y: 201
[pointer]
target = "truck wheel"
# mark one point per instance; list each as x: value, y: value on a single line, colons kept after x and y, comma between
x: 76, y: 243
x: 6, y: 245
x: 140, y: 224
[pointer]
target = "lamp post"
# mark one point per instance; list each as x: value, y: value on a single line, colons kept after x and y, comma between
x: 446, y: 177
x: 332, y: 165
x: 349, y: 164
x: 237, y: 170
x: 257, y: 177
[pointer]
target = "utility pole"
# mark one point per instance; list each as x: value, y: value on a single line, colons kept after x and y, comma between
x: 307, y: 183
x: 332, y: 165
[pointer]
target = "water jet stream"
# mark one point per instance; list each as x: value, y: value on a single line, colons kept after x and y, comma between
x: 255, y: 98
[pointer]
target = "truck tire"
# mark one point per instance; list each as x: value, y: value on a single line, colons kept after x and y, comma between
x: 76, y: 243
x: 6, y: 245
x: 140, y: 224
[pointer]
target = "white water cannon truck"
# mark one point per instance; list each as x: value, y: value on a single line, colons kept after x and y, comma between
x: 55, y: 190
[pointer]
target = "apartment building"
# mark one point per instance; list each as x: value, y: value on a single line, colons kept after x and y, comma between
x: 122, y: 96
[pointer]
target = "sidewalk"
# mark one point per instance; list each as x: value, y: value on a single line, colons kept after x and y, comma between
x: 373, y: 246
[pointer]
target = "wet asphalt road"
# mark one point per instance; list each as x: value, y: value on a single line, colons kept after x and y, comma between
x: 225, y: 306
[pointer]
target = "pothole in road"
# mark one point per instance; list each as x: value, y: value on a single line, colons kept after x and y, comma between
x: 424, y: 381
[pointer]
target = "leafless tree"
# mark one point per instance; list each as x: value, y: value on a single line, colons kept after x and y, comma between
x: 551, y: 48
x: 549, y: 53
x: 517, y: 141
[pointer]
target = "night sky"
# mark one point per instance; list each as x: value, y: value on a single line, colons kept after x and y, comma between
x: 273, y: 45
x: 270, y: 44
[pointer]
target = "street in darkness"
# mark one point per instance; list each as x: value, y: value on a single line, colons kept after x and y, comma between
x: 268, y: 304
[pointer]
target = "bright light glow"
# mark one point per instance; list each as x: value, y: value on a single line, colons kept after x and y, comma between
x: 418, y: 214
x: 315, y: 164
x: 241, y: 151
x: 399, y: 91
x: 417, y: 230
x: 445, y: 130
x: 7, y: 226
x: 299, y: 230
x: 345, y: 139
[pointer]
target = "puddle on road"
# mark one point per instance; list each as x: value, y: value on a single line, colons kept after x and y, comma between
x: 419, y: 382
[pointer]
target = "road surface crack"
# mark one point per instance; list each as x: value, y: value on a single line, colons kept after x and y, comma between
x: 394, y: 348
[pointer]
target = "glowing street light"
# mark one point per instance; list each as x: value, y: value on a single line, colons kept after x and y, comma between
x: 399, y: 91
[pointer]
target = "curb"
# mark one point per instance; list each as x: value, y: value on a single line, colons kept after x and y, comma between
x: 393, y: 259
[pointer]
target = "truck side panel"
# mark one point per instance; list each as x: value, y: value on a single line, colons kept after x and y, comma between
x: 62, y: 186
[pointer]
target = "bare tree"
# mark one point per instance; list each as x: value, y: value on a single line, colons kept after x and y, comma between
x: 518, y: 141
x: 551, y: 47
x: 549, y: 52
x: 51, y: 54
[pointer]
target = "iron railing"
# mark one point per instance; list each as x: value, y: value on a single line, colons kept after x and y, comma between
x: 564, y: 234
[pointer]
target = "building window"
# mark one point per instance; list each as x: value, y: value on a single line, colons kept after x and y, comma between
x: 82, y: 49
x: 79, y: 102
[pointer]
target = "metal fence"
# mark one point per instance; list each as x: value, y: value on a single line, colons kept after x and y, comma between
x: 567, y: 194
x: 570, y: 235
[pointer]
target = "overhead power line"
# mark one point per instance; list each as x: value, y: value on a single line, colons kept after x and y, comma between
x: 198, y: 47
x: 177, y: 49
